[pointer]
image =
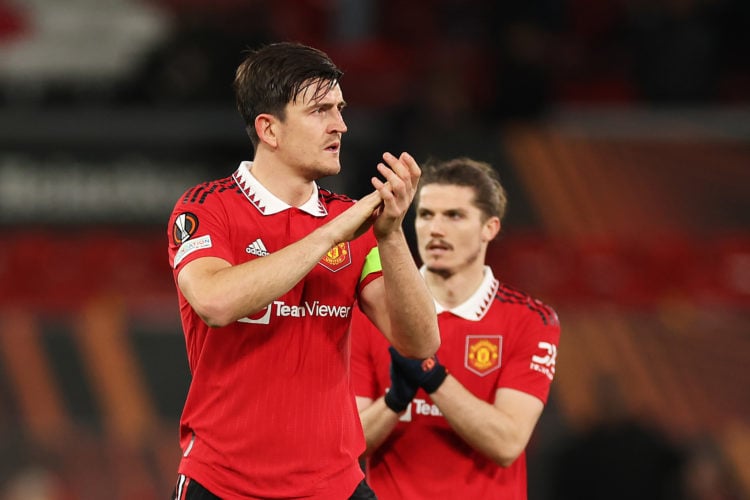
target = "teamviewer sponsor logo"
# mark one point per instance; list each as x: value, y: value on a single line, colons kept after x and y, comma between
x: 281, y: 309
x: 314, y: 308
x: 420, y: 407
x: 257, y: 248
x: 262, y: 317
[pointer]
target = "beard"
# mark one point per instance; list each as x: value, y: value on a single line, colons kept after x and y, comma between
x: 446, y: 271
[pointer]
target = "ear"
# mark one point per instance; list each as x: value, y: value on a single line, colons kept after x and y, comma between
x: 490, y: 229
x: 265, y: 127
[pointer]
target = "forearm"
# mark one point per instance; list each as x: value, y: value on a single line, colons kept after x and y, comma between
x: 378, y: 421
x: 480, y: 424
x: 222, y: 293
x: 414, y: 329
x: 225, y: 295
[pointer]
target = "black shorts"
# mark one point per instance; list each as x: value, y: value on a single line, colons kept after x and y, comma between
x: 189, y: 489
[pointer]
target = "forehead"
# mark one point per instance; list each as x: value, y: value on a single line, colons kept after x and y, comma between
x: 446, y: 196
x: 319, y: 92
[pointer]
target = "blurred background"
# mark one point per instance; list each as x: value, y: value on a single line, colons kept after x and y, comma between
x: 621, y: 129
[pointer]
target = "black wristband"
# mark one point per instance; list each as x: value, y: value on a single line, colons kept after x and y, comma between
x: 435, y: 380
x: 394, y: 404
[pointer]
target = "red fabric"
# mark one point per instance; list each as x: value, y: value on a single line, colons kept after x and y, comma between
x: 270, y: 410
x: 423, y: 458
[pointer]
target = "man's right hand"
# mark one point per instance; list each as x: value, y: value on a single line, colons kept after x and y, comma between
x: 355, y: 220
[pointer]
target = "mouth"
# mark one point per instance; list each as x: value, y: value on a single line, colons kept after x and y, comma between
x: 334, y: 147
x: 438, y: 247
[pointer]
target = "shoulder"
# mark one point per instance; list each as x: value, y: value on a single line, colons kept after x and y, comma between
x: 524, y: 304
x: 334, y: 201
x: 208, y: 192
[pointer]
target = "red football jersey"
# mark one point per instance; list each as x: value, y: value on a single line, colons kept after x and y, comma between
x: 270, y: 411
x: 500, y: 337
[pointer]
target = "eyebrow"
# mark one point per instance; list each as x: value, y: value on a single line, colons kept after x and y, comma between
x: 326, y: 105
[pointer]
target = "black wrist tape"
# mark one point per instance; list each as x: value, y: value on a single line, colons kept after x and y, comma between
x: 435, y: 379
x: 394, y: 404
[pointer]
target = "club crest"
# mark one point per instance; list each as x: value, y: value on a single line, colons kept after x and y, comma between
x: 337, y: 257
x: 483, y: 353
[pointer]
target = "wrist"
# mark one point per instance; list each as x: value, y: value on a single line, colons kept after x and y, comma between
x: 394, y: 404
x: 394, y: 237
x: 325, y: 237
x: 435, y: 380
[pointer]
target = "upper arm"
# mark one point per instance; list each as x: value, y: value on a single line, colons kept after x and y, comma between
x: 372, y: 301
x: 193, y: 275
x: 194, y: 282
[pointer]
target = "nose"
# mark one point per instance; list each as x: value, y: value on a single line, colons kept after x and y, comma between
x: 338, y: 125
x: 435, y: 227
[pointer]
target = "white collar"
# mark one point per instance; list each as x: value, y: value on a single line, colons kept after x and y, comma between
x: 475, y: 307
x: 265, y: 201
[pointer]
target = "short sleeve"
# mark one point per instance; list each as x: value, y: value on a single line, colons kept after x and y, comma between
x: 197, y: 230
x: 363, y: 369
x: 530, y: 365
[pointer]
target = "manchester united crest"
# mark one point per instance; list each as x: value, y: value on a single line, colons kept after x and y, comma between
x: 337, y: 257
x: 483, y: 353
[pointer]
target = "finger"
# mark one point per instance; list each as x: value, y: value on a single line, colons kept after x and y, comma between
x: 383, y: 189
x: 391, y: 176
x: 414, y: 170
x: 396, y: 164
x: 371, y: 197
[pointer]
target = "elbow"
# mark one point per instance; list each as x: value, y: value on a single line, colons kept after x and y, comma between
x: 506, y: 456
x: 506, y: 461
x: 428, y: 350
x: 420, y: 348
x: 428, y: 347
x: 214, y: 313
x: 214, y: 320
x: 421, y: 351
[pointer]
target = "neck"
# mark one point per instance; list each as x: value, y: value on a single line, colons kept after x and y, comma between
x: 282, y: 180
x: 451, y: 290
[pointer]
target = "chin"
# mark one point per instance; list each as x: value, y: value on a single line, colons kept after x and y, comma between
x: 327, y: 171
x: 434, y: 267
x: 333, y: 168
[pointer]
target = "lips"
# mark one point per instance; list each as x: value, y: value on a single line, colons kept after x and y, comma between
x: 438, y: 246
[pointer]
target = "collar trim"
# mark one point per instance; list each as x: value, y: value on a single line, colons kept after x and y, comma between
x: 266, y: 202
x: 476, y: 306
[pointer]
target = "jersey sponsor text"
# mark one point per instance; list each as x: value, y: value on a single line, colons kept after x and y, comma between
x: 315, y: 309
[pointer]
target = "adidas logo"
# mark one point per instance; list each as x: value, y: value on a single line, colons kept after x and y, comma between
x: 257, y: 248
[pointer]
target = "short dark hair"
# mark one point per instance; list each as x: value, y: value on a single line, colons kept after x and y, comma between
x: 489, y: 194
x: 274, y: 75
